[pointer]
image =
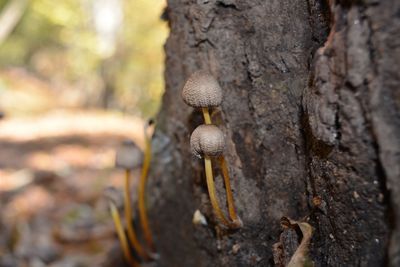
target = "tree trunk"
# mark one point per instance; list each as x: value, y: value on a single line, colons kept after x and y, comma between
x: 311, y: 118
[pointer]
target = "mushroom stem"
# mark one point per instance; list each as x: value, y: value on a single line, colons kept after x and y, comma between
x: 213, y: 195
x: 121, y: 235
x: 206, y: 115
x: 128, y: 216
x: 144, y: 221
x: 229, y: 196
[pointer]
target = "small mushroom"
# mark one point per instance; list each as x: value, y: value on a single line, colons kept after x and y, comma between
x: 111, y: 196
x: 129, y: 157
x: 202, y: 91
x: 114, y: 195
x: 208, y: 141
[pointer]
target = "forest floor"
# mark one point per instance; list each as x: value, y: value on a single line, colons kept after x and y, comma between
x: 53, y: 172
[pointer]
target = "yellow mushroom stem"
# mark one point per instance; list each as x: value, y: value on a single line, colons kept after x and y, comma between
x: 128, y: 217
x: 213, y: 195
x: 121, y: 236
x: 144, y: 221
x: 206, y: 115
x: 229, y: 196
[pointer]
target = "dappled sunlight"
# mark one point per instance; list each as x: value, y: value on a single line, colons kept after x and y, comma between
x: 55, y: 162
x: 13, y: 179
x: 76, y: 79
x: 79, y: 156
x: 33, y: 200
x: 64, y: 123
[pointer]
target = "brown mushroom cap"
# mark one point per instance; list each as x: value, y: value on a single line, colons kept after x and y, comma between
x: 207, y: 140
x: 114, y: 195
x: 128, y: 156
x: 202, y: 90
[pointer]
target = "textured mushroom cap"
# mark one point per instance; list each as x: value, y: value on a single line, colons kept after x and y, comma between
x: 128, y: 156
x: 202, y: 90
x: 207, y: 140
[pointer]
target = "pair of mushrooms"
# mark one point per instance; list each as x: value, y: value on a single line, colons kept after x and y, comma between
x: 207, y: 140
x: 200, y: 91
x: 129, y: 157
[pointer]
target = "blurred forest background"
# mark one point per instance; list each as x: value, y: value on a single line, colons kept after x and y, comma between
x: 76, y: 78
x: 80, y: 53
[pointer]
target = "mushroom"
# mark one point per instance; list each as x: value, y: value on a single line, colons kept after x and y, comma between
x: 111, y: 195
x: 202, y: 91
x: 144, y: 221
x: 208, y: 141
x: 129, y: 157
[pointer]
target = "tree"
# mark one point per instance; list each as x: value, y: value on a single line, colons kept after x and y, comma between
x: 9, y: 18
x: 311, y: 117
x: 116, y: 63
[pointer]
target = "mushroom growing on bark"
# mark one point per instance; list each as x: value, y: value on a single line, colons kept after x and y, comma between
x: 129, y: 157
x: 202, y: 90
x: 208, y: 141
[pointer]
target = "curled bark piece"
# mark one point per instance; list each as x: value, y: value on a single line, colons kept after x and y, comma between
x: 300, y: 257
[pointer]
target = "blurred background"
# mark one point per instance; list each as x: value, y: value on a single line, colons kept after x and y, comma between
x: 76, y: 78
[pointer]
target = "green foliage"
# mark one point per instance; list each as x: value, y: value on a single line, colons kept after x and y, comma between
x: 58, y: 42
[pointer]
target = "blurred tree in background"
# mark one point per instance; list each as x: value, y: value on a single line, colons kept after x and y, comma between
x: 82, y: 53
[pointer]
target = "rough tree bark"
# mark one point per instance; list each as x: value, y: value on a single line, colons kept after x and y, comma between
x: 311, y: 117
